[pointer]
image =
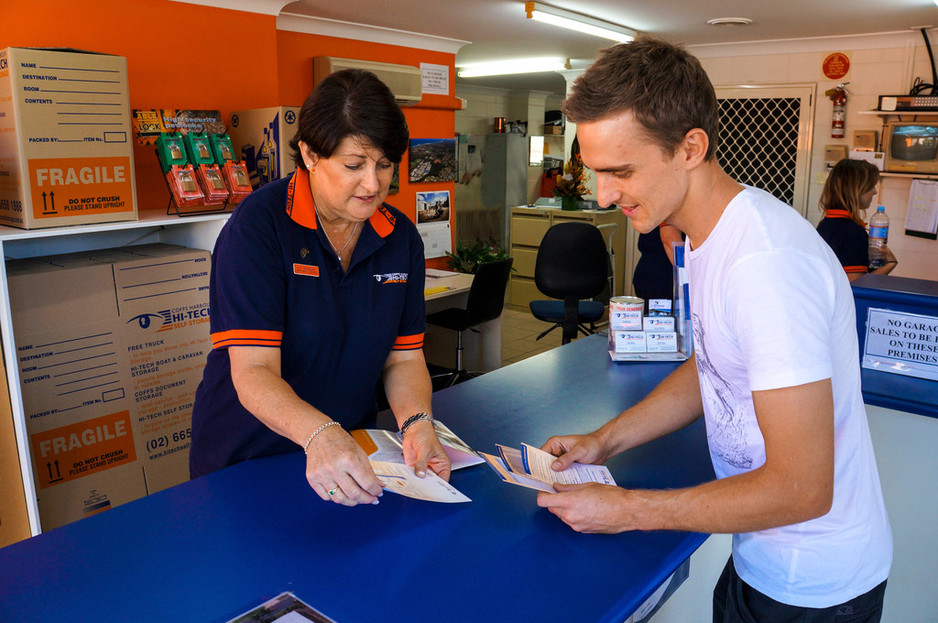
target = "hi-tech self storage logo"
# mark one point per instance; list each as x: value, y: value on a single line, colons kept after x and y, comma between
x: 80, y: 186
x: 176, y: 318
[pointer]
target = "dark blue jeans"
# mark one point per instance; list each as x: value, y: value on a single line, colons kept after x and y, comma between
x: 734, y: 601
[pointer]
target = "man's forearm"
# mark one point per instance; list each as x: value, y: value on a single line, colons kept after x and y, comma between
x: 672, y: 405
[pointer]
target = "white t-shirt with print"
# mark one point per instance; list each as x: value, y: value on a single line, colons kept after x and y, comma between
x: 772, y: 307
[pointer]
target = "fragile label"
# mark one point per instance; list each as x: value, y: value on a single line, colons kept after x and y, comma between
x: 81, y: 449
x: 61, y: 187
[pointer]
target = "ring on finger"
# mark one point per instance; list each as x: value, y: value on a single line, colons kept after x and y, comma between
x: 332, y: 491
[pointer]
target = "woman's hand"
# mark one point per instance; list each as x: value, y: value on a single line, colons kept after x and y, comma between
x: 422, y: 449
x: 338, y: 469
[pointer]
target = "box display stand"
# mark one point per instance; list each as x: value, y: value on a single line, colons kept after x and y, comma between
x: 174, y: 209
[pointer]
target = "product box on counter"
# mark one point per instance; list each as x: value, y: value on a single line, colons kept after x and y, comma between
x: 14, y: 518
x: 110, y: 347
x: 261, y: 138
x: 66, y: 154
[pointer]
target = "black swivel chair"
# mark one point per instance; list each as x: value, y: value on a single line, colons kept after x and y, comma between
x: 572, y: 265
x: 485, y: 302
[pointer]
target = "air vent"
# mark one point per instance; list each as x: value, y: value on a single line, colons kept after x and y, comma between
x: 404, y: 81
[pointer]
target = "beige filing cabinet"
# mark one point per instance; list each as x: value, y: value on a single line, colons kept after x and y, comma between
x: 527, y: 228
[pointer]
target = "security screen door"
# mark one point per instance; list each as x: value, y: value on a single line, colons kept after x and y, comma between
x: 765, y: 138
x: 765, y: 141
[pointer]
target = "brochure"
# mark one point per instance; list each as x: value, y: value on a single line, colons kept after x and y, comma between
x: 401, y: 479
x: 531, y: 467
x: 385, y: 450
x: 385, y: 445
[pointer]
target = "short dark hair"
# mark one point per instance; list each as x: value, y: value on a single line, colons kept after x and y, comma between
x: 663, y: 84
x: 351, y: 102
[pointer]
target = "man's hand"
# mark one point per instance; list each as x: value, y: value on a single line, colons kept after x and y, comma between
x: 591, y: 508
x: 575, y: 448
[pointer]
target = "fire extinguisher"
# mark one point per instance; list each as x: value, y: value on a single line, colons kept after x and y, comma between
x: 839, y: 97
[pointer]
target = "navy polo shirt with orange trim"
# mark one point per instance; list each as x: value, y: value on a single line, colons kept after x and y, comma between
x: 848, y: 239
x: 276, y: 282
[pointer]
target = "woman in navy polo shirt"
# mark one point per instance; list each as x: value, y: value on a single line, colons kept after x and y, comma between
x: 316, y: 297
x: 847, y: 193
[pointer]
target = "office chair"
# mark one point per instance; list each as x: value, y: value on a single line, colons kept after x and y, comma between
x: 485, y: 302
x: 571, y: 265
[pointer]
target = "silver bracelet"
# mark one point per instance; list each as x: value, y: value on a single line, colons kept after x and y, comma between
x: 309, y: 439
x: 414, y: 418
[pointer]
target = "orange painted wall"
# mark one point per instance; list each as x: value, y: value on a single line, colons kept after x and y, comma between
x: 183, y: 55
x: 174, y: 57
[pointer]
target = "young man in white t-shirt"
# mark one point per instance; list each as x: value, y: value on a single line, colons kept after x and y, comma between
x: 775, y: 370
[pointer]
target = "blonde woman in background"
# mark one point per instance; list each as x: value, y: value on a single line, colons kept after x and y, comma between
x: 847, y: 194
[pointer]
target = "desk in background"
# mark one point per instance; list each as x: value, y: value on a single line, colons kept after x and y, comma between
x: 482, y: 351
x: 211, y: 548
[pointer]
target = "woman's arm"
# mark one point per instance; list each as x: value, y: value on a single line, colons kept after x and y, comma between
x: 334, y: 461
x: 889, y: 265
x: 408, y: 388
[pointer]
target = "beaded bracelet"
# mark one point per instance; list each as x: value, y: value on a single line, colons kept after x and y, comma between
x: 309, y: 439
x: 414, y: 418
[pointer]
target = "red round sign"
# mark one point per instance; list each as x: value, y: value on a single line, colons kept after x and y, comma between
x: 836, y: 66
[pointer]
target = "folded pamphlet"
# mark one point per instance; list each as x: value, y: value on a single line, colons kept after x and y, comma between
x: 531, y: 467
x: 385, y: 451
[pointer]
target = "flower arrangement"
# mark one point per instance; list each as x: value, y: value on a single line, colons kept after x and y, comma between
x: 572, y: 183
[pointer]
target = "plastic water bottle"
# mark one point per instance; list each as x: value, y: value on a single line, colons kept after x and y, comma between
x: 879, y: 236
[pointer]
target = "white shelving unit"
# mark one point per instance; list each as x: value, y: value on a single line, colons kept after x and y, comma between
x: 198, y: 231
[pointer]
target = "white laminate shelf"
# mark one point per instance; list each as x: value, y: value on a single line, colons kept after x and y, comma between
x: 154, y: 219
x: 898, y: 113
x: 909, y: 176
x: 196, y: 231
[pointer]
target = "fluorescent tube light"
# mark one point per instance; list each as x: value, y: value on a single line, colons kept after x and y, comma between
x: 516, y: 66
x: 580, y: 23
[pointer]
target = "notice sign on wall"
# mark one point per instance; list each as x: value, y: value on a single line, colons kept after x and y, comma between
x: 901, y: 343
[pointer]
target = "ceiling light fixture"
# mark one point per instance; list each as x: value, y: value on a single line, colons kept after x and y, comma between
x: 580, y: 23
x: 733, y: 21
x: 516, y: 66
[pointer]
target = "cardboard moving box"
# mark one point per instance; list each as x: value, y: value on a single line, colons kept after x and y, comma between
x: 14, y: 519
x: 110, y: 346
x: 261, y: 137
x: 66, y: 156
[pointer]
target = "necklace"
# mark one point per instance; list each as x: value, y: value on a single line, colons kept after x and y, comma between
x: 338, y: 252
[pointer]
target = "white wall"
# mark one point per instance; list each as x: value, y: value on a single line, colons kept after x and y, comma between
x: 484, y: 104
x: 880, y: 64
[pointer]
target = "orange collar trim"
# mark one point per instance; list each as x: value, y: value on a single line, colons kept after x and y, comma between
x: 300, y: 205
x: 837, y: 213
x: 302, y: 209
x: 382, y: 221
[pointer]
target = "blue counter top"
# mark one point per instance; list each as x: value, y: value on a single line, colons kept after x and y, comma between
x: 914, y: 296
x: 211, y: 548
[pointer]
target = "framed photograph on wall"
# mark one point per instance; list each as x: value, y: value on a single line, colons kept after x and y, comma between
x: 433, y: 207
x: 432, y: 160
